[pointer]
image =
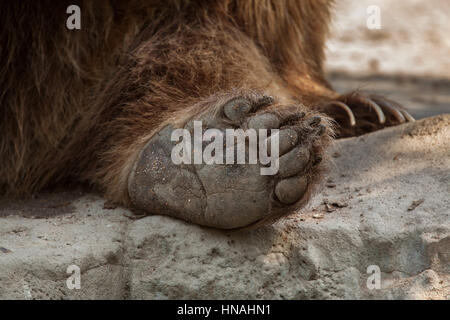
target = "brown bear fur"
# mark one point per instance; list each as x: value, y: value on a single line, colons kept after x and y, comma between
x: 79, y: 105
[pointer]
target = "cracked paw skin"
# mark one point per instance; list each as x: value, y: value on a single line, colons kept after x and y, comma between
x: 230, y: 196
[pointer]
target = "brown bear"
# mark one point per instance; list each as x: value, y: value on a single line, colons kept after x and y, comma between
x: 97, y: 105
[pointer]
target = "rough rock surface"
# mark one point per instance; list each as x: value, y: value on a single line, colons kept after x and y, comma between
x: 385, y: 203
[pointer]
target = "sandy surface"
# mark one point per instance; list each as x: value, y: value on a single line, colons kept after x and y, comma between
x: 407, y: 59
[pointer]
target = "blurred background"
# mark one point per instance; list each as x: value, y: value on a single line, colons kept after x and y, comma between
x: 407, y: 59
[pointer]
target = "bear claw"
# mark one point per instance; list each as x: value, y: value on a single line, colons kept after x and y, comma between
x: 365, y: 113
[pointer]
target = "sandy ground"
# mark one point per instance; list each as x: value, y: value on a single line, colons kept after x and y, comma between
x: 407, y: 59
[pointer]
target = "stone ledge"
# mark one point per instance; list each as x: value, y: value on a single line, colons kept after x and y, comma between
x: 385, y: 202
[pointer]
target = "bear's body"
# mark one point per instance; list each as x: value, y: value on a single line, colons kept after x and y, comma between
x: 87, y: 105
